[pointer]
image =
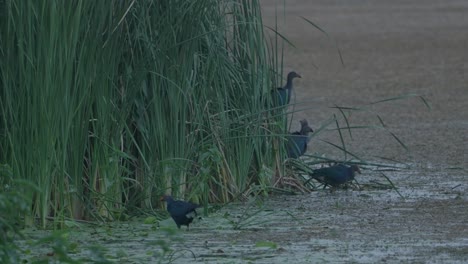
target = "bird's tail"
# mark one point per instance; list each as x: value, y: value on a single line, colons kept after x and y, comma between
x: 317, y: 175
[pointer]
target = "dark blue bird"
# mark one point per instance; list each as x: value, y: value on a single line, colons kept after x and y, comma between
x: 297, y: 141
x: 182, y: 212
x: 335, y: 175
x: 282, y: 95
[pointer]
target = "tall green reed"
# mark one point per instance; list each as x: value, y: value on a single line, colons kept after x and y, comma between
x: 107, y: 105
x: 56, y: 77
x: 204, y: 80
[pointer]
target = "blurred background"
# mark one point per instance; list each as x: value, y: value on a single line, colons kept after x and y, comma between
x: 389, y: 49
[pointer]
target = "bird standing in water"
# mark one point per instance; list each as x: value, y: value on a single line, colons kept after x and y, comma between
x: 335, y: 175
x: 181, y: 212
x: 297, y: 141
x: 282, y: 95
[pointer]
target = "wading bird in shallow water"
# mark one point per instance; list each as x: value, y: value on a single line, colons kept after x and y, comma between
x: 182, y: 212
x: 282, y: 95
x: 297, y: 141
x: 335, y: 175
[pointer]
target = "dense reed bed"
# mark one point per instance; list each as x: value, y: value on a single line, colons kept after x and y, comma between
x: 106, y: 105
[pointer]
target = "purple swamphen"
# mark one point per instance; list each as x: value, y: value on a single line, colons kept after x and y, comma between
x: 297, y: 141
x: 282, y: 95
x: 335, y: 175
x: 182, y: 212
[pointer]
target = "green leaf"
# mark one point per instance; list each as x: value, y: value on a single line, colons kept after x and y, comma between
x: 267, y: 244
x: 150, y: 220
